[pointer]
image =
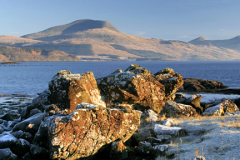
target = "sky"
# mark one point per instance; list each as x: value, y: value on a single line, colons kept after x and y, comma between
x: 182, y: 20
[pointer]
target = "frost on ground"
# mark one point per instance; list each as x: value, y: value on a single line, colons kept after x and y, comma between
x: 211, y: 137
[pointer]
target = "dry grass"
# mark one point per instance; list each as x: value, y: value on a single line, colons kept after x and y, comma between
x: 199, y: 152
x: 233, y: 124
x: 173, y: 144
x: 230, y: 124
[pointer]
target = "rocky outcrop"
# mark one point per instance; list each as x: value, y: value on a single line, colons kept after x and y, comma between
x: 68, y: 90
x: 82, y: 133
x: 193, y: 84
x: 173, y: 109
x: 69, y: 120
x: 130, y: 88
x: 171, y: 80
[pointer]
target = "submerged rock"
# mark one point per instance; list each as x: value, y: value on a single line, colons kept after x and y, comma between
x: 83, y: 132
x: 193, y: 84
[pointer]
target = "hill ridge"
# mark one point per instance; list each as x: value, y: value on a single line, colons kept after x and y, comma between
x: 97, y: 38
x: 70, y: 28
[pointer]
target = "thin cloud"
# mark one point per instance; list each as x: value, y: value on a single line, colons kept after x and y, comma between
x: 141, y: 33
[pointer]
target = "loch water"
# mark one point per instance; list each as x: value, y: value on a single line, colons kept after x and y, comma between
x: 31, y: 78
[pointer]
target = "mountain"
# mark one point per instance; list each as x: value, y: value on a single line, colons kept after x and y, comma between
x: 95, y: 38
x: 70, y: 30
x: 233, y: 43
x: 8, y: 54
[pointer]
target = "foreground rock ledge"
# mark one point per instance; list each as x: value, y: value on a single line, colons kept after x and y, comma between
x: 83, y: 132
x: 68, y: 90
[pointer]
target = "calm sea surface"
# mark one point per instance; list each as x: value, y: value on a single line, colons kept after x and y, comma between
x: 33, y: 77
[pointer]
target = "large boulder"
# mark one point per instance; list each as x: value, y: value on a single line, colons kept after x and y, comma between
x: 129, y: 88
x: 173, y: 109
x: 171, y: 80
x: 86, y: 130
x: 193, y: 84
x: 68, y: 90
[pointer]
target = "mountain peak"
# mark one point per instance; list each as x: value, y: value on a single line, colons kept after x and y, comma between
x: 201, y: 38
x: 86, y: 24
x: 236, y: 38
x: 71, y: 28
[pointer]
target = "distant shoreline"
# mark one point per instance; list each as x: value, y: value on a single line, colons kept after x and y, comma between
x: 9, y: 63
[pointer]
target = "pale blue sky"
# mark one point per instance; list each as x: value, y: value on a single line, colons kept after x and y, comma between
x: 162, y: 19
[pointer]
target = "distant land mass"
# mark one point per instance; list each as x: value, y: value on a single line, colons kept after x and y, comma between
x: 233, y: 43
x: 16, y: 54
x: 100, y: 40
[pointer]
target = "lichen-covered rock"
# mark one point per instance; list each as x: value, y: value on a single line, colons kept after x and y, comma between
x: 136, y: 69
x: 83, y: 132
x: 68, y: 90
x: 171, y: 80
x: 129, y: 88
x: 226, y: 106
x: 214, y: 110
x: 173, y: 109
x: 229, y: 106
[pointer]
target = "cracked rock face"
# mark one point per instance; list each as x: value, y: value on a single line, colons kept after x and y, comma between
x: 68, y: 90
x: 131, y: 88
x: 83, y: 132
x: 171, y: 80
